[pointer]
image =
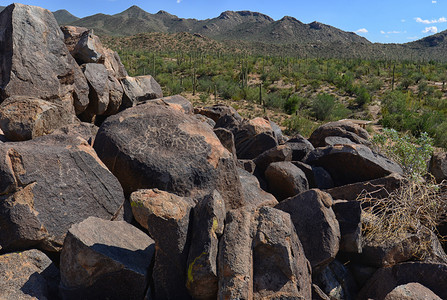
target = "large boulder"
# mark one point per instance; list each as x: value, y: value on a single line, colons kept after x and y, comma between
x: 300, y: 147
x: 352, y: 163
x: 280, y: 268
x: 438, y: 165
x: 349, y: 217
x: 431, y: 275
x: 411, y: 291
x: 23, y: 117
x: 217, y: 111
x: 285, y: 180
x: 98, y: 80
x: 254, y: 196
x: 167, y: 219
x: 28, y: 275
x: 48, y: 184
x: 276, y: 154
x: 154, y: 146
x: 315, y: 224
x: 105, y: 259
x: 88, y: 49
x: 342, y: 129
x: 337, y: 282
x: 35, y: 60
x: 207, y: 228
x: 140, y: 88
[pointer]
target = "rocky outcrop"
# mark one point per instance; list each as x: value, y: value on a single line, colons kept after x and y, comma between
x: 411, y: 291
x: 23, y: 118
x: 438, y: 166
x: 35, y: 60
x: 105, y: 259
x: 217, y: 111
x: 48, y: 184
x: 254, y: 196
x: 28, y: 275
x: 154, y: 146
x: 141, y: 88
x: 336, y: 281
x: 352, y: 163
x: 285, y: 180
x: 340, y: 129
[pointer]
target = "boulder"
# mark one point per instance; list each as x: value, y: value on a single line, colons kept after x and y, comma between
x: 86, y: 131
x: 438, y: 165
x: 336, y: 140
x: 88, y: 49
x: 280, y: 137
x: 3, y: 138
x: 35, y: 60
x: 247, y: 164
x: 337, y: 282
x: 352, y: 163
x: 323, y: 179
x: 113, y: 64
x: 376, y: 188
x: 276, y: 154
x: 235, y: 267
x: 205, y: 120
x: 349, y: 217
x: 227, y: 139
x: 140, y: 88
x: 98, y: 80
x: 178, y: 102
x: 166, y: 216
x: 115, y: 95
x: 300, y: 147
x: 431, y: 275
x: 254, y: 196
x: 315, y: 224
x: 411, y: 291
x: 280, y: 268
x: 318, y: 294
x: 343, y: 129
x: 207, y: 228
x: 48, y: 184
x: 28, y: 275
x: 105, y: 259
x: 23, y: 118
x: 72, y: 35
x: 285, y: 180
x: 154, y: 146
x: 217, y: 111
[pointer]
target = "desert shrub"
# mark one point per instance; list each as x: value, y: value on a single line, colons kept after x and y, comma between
x: 363, y: 96
x: 299, y: 124
x: 322, y: 106
x: 294, y: 103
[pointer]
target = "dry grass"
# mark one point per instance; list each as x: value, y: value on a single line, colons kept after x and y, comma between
x: 412, y: 209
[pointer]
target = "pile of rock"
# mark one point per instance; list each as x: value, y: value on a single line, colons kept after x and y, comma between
x: 164, y: 201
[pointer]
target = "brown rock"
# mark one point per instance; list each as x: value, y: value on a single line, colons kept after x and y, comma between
x: 431, y: 275
x: 48, y: 184
x: 336, y: 281
x: 36, y: 61
x: 300, y: 147
x: 86, y: 131
x: 115, y: 96
x: 28, y: 275
x: 179, y: 103
x: 438, y: 166
x: 88, y: 49
x: 235, y: 256
x: 141, y: 88
x: 315, y: 224
x: 349, y: 217
x: 254, y: 196
x: 280, y: 268
x: 23, y: 118
x: 154, y: 146
x: 105, y: 259
x: 217, y: 111
x: 411, y: 291
x: 285, y: 180
x: 72, y: 35
x: 98, y: 80
x: 208, y: 227
x: 227, y: 139
x: 352, y: 163
x: 166, y: 217
x: 343, y: 129
x: 276, y: 154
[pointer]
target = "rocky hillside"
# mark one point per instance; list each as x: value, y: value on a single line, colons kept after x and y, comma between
x: 167, y: 201
x: 64, y: 17
x: 230, y: 25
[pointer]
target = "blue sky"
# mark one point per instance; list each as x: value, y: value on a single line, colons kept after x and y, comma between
x: 384, y: 21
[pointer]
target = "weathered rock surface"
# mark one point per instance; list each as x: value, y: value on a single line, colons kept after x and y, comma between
x: 431, y: 275
x: 88, y: 49
x: 179, y: 103
x: 254, y: 196
x: 235, y: 268
x: 23, y: 118
x: 281, y: 271
x: 48, y: 184
x: 208, y: 227
x: 285, y: 180
x: 438, y: 166
x: 377, y: 188
x: 343, y: 129
x: 98, y: 80
x: 140, y: 88
x: 217, y: 111
x: 87, y: 131
x: 28, y: 275
x: 352, y: 163
x: 337, y: 282
x: 300, y: 147
x: 315, y: 224
x: 276, y: 154
x: 167, y: 218
x: 35, y: 60
x: 105, y: 259
x: 227, y: 139
x: 349, y: 217
x: 72, y: 35
x: 154, y: 146
x: 411, y: 291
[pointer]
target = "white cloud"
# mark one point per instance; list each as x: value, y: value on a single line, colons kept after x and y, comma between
x: 432, y: 29
x: 440, y: 20
x: 178, y: 1
x: 434, y: 2
x: 403, y: 20
x: 362, y: 30
x: 392, y: 32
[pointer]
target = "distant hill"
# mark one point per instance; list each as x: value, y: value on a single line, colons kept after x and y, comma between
x: 64, y: 17
x: 230, y: 25
x: 2, y: 8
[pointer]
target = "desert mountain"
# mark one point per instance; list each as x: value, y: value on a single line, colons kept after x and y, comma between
x: 64, y: 17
